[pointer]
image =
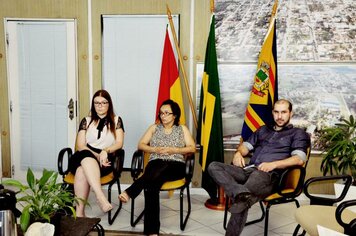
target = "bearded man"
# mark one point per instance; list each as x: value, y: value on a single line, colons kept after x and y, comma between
x: 274, y: 149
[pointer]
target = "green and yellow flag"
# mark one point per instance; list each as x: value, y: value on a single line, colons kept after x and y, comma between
x: 210, y: 129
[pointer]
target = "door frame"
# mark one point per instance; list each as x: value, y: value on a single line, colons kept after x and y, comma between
x: 72, y: 74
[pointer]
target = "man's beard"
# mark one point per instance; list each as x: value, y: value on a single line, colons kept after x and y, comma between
x: 283, y: 125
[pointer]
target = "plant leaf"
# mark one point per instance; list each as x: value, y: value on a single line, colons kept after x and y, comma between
x: 31, y: 179
x: 45, y: 176
x: 25, y: 218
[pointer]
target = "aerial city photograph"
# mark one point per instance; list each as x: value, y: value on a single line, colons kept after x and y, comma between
x: 316, y: 71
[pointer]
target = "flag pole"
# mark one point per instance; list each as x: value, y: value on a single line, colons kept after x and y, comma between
x: 182, y: 68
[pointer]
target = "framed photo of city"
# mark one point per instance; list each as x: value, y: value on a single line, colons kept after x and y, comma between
x: 307, y: 31
x: 321, y: 94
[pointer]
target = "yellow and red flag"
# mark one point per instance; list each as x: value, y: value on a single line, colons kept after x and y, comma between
x: 170, y: 85
x: 265, y: 87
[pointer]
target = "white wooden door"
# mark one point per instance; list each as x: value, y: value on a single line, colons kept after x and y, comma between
x: 42, y: 75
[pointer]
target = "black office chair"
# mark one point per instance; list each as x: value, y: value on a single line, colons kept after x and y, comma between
x: 139, y: 161
x: 110, y: 179
x: 289, y: 188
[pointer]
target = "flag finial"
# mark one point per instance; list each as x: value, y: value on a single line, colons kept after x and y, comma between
x: 169, y: 13
x: 274, y: 9
x: 212, y: 6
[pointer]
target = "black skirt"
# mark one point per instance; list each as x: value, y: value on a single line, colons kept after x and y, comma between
x: 78, y: 156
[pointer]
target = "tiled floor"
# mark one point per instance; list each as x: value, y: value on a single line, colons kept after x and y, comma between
x: 202, y: 220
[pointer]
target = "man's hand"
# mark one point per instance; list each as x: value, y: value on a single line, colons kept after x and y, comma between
x: 238, y: 160
x: 281, y: 164
x: 267, y: 166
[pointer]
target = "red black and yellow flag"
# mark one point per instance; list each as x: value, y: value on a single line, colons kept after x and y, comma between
x: 265, y: 87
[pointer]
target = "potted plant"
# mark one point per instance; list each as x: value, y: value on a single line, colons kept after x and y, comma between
x: 339, y: 144
x: 42, y: 199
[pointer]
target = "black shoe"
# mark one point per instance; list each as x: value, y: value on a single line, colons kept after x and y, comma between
x: 241, y: 203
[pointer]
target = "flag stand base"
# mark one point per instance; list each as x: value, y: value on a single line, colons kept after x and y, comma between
x: 213, y: 205
x: 218, y: 204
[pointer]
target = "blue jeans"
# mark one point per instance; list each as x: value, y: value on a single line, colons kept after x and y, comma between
x: 235, y: 180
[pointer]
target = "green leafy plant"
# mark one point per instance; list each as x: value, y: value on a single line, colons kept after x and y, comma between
x: 42, y: 198
x: 339, y: 143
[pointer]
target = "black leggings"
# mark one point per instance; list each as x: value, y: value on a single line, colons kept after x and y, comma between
x: 156, y: 173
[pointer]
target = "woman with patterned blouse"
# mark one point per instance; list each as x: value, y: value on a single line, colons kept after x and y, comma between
x: 99, y: 136
x: 167, y: 142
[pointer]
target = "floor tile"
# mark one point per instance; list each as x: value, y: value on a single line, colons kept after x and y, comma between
x: 202, y: 221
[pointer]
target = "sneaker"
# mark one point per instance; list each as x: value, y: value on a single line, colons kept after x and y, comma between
x: 242, y: 202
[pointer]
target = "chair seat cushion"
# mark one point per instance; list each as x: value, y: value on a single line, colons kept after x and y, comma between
x: 173, y: 184
x: 276, y: 195
x: 312, y: 215
x: 69, y: 178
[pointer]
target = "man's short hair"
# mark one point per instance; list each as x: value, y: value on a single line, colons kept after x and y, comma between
x: 279, y: 101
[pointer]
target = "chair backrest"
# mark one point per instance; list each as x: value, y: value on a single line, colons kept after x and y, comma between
x: 117, y: 166
x: 118, y: 163
x: 349, y: 227
x: 138, y: 164
x: 292, y: 180
x: 296, y: 176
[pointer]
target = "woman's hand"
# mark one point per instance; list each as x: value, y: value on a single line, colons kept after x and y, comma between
x: 103, y: 159
x: 165, y: 150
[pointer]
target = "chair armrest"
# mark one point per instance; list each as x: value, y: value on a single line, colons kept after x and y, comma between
x: 137, y: 164
x: 284, y: 179
x: 350, y: 228
x: 61, y: 155
x: 118, y: 162
x: 317, y: 200
x: 189, y: 166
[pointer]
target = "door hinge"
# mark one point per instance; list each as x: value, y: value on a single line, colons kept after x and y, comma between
x: 71, y: 109
x: 7, y: 39
x: 10, y: 106
x: 12, y: 170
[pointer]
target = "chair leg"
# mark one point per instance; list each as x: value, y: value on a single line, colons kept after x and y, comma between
x: 247, y: 223
x: 261, y: 218
x: 184, y: 223
x: 227, y: 199
x: 267, y: 215
x: 134, y: 221
x: 100, y: 229
x: 296, y: 230
x: 266, y: 220
x: 112, y: 219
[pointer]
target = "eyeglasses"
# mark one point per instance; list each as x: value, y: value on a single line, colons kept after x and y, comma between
x: 99, y: 104
x: 165, y: 113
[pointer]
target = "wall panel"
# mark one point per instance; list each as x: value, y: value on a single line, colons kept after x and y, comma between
x: 67, y: 9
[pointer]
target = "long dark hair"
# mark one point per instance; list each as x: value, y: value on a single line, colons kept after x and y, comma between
x: 175, y: 110
x: 110, y: 116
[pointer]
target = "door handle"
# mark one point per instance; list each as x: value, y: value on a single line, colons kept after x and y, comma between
x: 71, y: 109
